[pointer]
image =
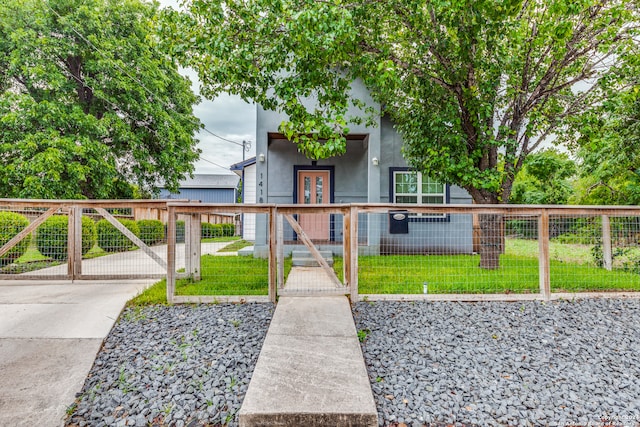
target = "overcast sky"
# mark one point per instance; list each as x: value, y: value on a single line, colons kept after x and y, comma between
x: 227, y: 116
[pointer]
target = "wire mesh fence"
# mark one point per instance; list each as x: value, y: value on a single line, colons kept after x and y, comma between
x: 367, y: 251
x: 85, y: 239
x: 591, y: 253
x: 420, y: 253
x: 519, y: 251
x: 214, y: 262
x: 312, y: 242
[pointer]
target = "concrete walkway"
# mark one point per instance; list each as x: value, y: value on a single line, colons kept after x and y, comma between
x: 50, y: 333
x: 306, y: 281
x: 310, y: 371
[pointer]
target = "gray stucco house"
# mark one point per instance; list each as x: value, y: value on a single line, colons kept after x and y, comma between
x: 371, y: 171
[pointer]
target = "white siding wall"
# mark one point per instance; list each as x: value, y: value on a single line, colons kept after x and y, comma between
x: 249, y: 190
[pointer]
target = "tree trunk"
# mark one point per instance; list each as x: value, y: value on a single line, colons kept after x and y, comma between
x: 490, y: 240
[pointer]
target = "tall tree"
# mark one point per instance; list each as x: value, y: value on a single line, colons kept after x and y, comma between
x: 545, y: 179
x: 89, y: 104
x: 607, y: 141
x: 473, y: 86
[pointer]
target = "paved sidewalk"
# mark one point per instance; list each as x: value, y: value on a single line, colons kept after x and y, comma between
x: 310, y: 371
x: 50, y: 333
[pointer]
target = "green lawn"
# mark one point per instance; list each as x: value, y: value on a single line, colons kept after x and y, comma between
x: 236, y: 246
x: 571, y: 269
x: 220, y: 239
x: 221, y: 275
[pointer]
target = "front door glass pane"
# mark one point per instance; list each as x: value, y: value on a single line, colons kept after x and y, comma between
x: 319, y: 185
x: 307, y: 190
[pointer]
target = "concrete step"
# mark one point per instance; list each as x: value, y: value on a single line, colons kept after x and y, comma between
x: 310, y: 371
x: 303, y: 258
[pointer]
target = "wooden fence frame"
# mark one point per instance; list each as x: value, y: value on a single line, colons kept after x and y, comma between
x: 542, y: 213
x: 73, y: 208
x: 350, y: 213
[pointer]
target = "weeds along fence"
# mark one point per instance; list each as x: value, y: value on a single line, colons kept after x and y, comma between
x: 390, y: 251
x: 86, y: 239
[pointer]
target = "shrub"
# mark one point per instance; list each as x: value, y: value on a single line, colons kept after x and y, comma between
x: 52, y: 236
x: 228, y: 230
x: 209, y: 230
x: 11, y: 224
x: 110, y: 239
x: 151, y: 231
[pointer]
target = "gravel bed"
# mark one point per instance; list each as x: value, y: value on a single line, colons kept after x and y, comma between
x: 566, y: 363
x: 174, y: 365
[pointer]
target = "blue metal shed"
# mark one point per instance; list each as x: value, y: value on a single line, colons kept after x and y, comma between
x: 207, y: 188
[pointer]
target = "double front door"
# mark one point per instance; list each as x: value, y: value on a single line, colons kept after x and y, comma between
x: 313, y: 188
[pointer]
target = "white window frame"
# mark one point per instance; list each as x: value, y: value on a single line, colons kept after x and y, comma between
x: 419, y: 194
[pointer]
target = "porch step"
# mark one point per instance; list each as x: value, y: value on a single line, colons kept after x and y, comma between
x: 303, y: 258
x: 310, y: 371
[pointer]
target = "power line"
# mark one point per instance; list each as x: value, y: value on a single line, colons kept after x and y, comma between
x: 153, y: 94
x: 213, y: 163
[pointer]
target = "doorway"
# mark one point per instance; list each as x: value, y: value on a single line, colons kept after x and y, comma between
x: 313, y: 187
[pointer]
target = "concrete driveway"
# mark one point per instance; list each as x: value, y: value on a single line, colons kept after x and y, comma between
x: 50, y: 333
x: 131, y: 262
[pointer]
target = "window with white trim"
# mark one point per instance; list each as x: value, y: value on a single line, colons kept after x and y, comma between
x: 416, y: 187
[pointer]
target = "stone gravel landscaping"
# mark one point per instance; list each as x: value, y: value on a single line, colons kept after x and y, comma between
x: 503, y: 364
x: 430, y: 363
x: 174, y: 365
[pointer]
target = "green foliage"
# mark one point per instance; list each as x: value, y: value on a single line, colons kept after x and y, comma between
x: 110, y: 239
x: 228, y: 230
x: 544, y: 179
x: 607, y: 141
x: 11, y: 224
x: 52, y: 236
x: 363, y: 334
x: 151, y: 231
x: 209, y: 231
x: 90, y: 106
x: 473, y: 87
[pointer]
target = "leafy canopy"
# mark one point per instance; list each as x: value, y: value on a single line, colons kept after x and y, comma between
x: 473, y: 86
x: 89, y: 103
x: 606, y: 139
x: 545, y: 179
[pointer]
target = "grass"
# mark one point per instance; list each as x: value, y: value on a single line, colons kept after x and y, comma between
x: 220, y: 239
x: 236, y: 246
x: 31, y: 260
x: 571, y: 270
x: 564, y: 252
x: 571, y: 266
x: 221, y: 275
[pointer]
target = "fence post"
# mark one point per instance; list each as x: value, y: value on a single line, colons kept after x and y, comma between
x: 280, y: 249
x: 273, y: 212
x: 195, y: 246
x: 187, y: 246
x: 607, y: 259
x: 171, y: 253
x: 543, y: 260
x: 346, y: 246
x: 353, y: 232
x: 74, y: 243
